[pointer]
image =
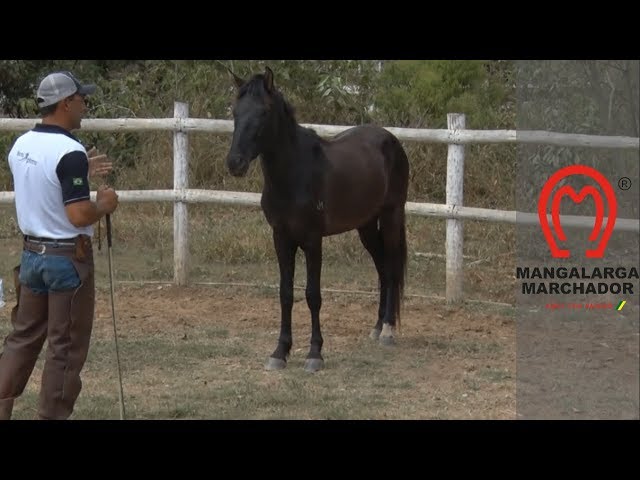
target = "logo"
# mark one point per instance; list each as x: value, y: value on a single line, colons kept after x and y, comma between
x: 590, y: 190
x: 568, y: 284
x: 24, y: 157
x: 77, y: 182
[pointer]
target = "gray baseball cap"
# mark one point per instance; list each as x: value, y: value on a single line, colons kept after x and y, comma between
x: 59, y: 85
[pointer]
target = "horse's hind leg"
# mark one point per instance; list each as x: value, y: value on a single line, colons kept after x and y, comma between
x: 371, y: 238
x: 286, y: 252
x: 313, y: 256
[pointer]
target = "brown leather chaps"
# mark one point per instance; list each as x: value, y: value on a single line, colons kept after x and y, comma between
x: 65, y: 319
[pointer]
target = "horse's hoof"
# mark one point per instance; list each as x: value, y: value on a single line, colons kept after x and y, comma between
x: 313, y: 364
x: 387, y: 337
x: 275, y: 364
x: 387, y: 340
x: 375, y: 334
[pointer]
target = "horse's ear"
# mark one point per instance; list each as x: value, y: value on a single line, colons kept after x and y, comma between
x: 268, y: 79
x: 239, y: 81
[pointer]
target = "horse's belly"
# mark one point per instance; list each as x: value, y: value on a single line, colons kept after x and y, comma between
x: 352, y: 213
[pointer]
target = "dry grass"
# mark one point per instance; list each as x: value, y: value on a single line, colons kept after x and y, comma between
x: 197, y: 353
x: 234, y: 244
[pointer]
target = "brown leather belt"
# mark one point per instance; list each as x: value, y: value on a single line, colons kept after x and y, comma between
x: 52, y: 248
x: 30, y: 238
x: 78, y: 247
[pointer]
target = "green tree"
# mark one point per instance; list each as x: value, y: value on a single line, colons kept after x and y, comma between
x: 420, y: 93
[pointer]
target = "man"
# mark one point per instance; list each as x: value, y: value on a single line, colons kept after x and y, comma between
x: 55, y: 279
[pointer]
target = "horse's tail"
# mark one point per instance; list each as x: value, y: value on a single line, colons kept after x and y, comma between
x: 399, y: 184
x: 400, y: 266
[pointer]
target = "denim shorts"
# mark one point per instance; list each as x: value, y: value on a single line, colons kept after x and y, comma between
x: 44, y: 273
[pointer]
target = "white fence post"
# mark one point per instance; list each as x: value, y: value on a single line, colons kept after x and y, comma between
x: 180, y: 184
x: 455, y: 183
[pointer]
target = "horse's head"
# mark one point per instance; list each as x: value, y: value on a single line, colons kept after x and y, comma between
x: 251, y: 114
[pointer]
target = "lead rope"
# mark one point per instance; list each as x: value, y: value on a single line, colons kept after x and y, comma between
x: 113, y: 312
x: 99, y: 235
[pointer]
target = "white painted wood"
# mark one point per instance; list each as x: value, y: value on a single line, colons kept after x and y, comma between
x: 180, y: 184
x: 408, y: 134
x: 225, y: 198
x: 454, y: 239
x: 435, y: 210
x: 455, y: 136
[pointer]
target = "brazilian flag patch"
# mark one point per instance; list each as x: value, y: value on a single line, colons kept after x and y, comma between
x: 77, y: 182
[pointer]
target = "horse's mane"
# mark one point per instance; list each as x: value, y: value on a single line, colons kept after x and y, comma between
x: 255, y: 87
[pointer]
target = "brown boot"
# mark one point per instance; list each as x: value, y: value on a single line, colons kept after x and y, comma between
x: 6, y: 407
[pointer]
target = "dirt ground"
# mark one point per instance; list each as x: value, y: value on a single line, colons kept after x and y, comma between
x: 450, y: 362
x: 460, y: 342
x: 198, y: 352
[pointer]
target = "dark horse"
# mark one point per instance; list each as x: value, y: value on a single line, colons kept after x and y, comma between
x: 314, y: 188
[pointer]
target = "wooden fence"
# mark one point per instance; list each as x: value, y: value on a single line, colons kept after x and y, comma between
x: 455, y: 136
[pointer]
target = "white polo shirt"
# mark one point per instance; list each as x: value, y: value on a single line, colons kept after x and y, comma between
x: 50, y: 169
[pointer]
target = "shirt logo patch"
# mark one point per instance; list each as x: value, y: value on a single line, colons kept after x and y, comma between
x: 78, y: 182
x: 24, y: 157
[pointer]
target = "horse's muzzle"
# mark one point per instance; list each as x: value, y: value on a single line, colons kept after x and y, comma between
x: 237, y: 165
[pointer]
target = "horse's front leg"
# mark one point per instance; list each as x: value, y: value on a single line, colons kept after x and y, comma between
x: 286, y: 251
x: 313, y: 256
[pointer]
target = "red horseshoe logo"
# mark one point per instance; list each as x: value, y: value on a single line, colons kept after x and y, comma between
x: 557, y: 252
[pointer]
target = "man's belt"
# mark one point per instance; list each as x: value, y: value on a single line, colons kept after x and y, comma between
x: 59, y: 241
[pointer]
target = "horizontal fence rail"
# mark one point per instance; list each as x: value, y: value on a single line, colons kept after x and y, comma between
x: 247, y: 199
x: 187, y: 125
x: 456, y: 136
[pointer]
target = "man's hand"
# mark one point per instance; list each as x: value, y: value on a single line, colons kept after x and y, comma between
x: 106, y: 199
x: 99, y: 164
x: 86, y: 212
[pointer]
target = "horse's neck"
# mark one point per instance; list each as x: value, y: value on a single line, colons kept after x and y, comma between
x: 279, y: 163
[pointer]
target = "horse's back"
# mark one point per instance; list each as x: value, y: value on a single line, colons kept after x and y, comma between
x: 366, y: 171
x: 368, y: 150
x: 362, y: 133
